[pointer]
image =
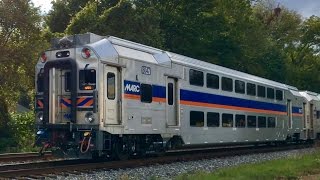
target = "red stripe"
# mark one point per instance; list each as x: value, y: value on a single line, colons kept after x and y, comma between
x: 40, y: 104
x: 156, y: 99
x: 131, y: 96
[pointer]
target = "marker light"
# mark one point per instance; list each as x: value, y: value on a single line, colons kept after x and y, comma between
x: 85, y: 53
x: 44, y: 57
x: 89, y: 117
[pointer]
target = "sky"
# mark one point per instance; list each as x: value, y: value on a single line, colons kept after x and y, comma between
x: 306, y: 8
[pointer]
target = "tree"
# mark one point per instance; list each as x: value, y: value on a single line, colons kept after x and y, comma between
x: 20, y: 42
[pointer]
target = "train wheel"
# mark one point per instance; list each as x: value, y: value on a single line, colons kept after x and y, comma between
x: 121, y: 150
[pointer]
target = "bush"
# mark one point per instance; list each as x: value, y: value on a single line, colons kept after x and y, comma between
x: 22, y: 130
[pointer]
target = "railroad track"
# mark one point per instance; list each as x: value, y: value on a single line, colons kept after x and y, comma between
x: 54, y: 168
x: 31, y: 156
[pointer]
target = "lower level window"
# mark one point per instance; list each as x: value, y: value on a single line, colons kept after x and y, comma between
x: 213, y: 119
x: 196, y: 118
x: 271, y: 122
x: 227, y: 120
x: 252, y: 121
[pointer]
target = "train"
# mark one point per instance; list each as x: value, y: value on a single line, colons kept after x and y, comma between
x: 103, y: 96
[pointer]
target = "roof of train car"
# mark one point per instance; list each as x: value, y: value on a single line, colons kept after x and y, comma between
x: 129, y: 49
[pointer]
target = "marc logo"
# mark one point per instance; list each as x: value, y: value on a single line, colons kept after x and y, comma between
x: 132, y: 88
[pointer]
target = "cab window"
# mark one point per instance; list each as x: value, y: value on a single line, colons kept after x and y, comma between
x: 87, y: 79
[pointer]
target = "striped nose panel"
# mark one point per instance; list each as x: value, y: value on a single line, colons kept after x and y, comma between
x: 81, y: 102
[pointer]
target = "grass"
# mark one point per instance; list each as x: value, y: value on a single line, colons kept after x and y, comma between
x: 289, y: 168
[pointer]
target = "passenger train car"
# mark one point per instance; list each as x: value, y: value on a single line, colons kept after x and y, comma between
x: 106, y: 96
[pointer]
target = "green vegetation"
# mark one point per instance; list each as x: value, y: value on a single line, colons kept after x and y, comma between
x: 290, y: 168
x: 253, y: 36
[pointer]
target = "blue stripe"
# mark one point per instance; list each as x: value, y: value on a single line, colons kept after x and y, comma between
x: 65, y: 103
x: 187, y: 95
x: 84, y: 101
x: 158, y: 91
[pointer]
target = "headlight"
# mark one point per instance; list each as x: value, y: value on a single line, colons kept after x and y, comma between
x: 89, y: 117
x: 40, y: 116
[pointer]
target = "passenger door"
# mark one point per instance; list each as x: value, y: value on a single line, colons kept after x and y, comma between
x: 172, y: 102
x: 111, y: 95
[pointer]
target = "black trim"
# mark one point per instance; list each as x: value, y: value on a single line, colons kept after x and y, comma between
x: 85, y: 94
x: 60, y: 64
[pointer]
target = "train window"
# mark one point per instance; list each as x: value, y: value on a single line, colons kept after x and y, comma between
x: 170, y: 93
x: 271, y: 122
x: 213, y: 119
x: 318, y: 114
x: 240, y: 121
x: 212, y: 81
x: 239, y: 87
x: 270, y: 93
x: 251, y: 89
x: 227, y: 84
x: 146, y: 93
x: 227, y: 120
x: 111, y: 86
x: 40, y: 78
x: 196, y: 118
x: 195, y: 77
x: 261, y: 91
x: 252, y: 121
x: 87, y: 79
x: 279, y: 95
x: 67, y: 81
x: 262, y: 122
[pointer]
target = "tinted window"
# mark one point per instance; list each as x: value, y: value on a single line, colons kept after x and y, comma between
x: 252, y: 121
x: 111, y: 84
x: 170, y: 93
x: 239, y: 87
x: 87, y: 79
x: 261, y: 91
x: 196, y: 118
x: 196, y: 77
x: 146, y: 93
x: 40, y: 79
x: 270, y: 93
x: 262, y: 122
x: 240, y: 121
x: 213, y: 119
x: 212, y: 81
x: 251, y: 89
x: 67, y: 81
x: 271, y: 122
x: 279, y: 95
x: 227, y: 120
x: 227, y: 84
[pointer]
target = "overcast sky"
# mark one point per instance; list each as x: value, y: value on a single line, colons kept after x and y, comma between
x: 304, y: 7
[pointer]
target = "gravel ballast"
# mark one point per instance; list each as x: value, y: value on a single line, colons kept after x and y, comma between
x: 169, y: 171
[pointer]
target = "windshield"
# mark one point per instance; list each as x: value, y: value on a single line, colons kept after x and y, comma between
x: 87, y: 79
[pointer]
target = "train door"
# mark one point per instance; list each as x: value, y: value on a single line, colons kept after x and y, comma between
x: 60, y: 102
x: 310, y: 135
x: 111, y: 95
x: 172, y: 102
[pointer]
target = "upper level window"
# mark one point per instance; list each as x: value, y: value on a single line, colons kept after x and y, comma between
x: 239, y: 87
x: 196, y: 77
x: 87, y: 79
x: 270, y: 93
x: 279, y: 95
x: 170, y: 93
x: 251, y: 89
x: 146, y: 93
x: 227, y: 120
x: 196, y: 118
x: 227, y: 84
x: 261, y: 91
x: 212, y: 81
x: 213, y: 119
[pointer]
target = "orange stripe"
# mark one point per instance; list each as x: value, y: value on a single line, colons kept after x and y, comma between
x: 89, y: 103
x: 67, y: 100
x: 79, y: 100
x: 190, y: 103
x: 131, y: 96
x: 297, y: 114
x: 63, y: 106
x: 156, y: 99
